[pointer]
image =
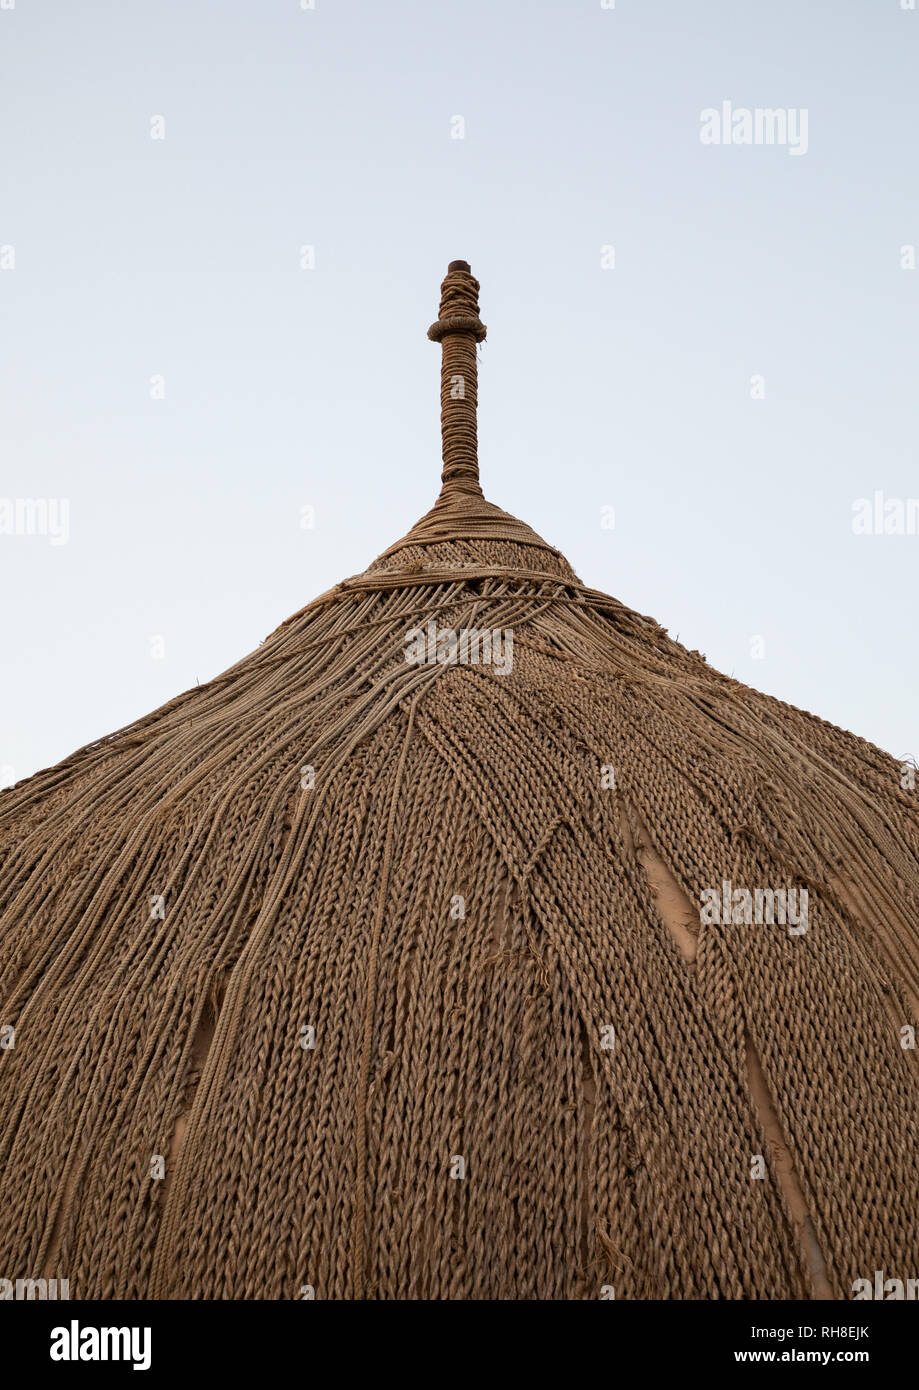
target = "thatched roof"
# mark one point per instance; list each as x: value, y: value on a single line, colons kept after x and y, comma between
x: 405, y: 978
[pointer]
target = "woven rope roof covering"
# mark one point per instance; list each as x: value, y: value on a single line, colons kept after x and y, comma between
x: 389, y: 979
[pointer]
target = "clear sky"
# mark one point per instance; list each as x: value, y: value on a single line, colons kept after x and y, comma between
x: 744, y: 372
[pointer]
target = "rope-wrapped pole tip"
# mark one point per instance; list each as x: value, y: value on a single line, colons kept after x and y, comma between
x: 458, y: 330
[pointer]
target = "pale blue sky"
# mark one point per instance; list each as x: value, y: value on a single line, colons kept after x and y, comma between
x: 286, y: 387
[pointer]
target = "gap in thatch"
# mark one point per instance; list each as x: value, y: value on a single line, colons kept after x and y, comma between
x: 675, y: 908
x: 784, y: 1169
x: 506, y: 904
x: 201, y: 1041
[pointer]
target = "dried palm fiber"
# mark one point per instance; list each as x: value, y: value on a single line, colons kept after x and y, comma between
x: 442, y: 1034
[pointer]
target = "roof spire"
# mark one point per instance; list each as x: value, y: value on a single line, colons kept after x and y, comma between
x: 458, y: 329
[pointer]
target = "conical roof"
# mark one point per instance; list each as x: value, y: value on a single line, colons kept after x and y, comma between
x: 470, y: 938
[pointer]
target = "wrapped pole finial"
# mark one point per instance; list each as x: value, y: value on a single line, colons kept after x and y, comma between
x: 458, y: 330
